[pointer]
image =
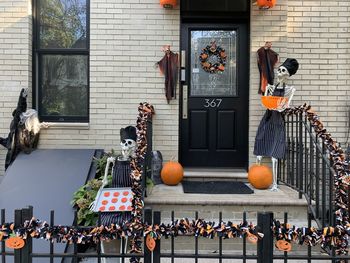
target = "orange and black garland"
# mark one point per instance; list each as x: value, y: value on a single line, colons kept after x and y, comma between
x: 213, y: 59
x: 341, y: 178
x: 146, y: 111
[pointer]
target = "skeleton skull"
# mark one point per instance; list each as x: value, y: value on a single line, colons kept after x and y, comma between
x: 282, y: 75
x: 128, y: 148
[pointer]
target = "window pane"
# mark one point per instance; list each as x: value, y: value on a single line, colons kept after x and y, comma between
x: 219, y: 83
x: 63, y: 85
x: 62, y: 23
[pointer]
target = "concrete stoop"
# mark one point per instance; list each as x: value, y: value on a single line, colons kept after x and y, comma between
x: 166, y: 199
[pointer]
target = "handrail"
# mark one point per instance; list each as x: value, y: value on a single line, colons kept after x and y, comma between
x: 315, y: 166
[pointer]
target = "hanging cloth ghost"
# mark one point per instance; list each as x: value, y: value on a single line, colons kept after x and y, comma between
x: 169, y: 66
x: 267, y: 59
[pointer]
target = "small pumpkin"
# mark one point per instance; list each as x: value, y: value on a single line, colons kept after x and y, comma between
x: 260, y: 176
x: 150, y: 243
x: 15, y: 243
x: 168, y: 3
x: 283, y: 245
x: 252, y: 238
x: 221, y: 67
x: 266, y: 4
x: 172, y: 173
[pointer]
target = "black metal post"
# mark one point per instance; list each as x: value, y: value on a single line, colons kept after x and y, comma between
x: 301, y: 152
x: 148, y: 220
x: 317, y: 183
x: 18, y: 222
x: 265, y: 245
x: 156, y: 252
x: 324, y: 193
x: 27, y: 214
x: 2, y: 221
x: 52, y: 223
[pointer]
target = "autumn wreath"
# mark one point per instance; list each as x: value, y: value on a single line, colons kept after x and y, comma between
x: 213, y: 59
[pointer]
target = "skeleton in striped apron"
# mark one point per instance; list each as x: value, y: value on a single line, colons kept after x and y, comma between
x: 270, y: 138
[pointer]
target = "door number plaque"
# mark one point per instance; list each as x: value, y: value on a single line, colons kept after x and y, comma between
x: 212, y: 103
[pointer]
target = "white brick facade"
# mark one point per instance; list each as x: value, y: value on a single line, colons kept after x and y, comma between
x: 126, y: 37
x: 15, y: 60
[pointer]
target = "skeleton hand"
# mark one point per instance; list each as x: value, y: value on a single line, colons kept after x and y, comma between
x: 105, y: 177
x: 44, y: 125
x: 24, y: 93
x: 269, y: 89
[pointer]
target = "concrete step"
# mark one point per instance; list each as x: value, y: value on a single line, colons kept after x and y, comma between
x: 172, y: 198
x: 215, y: 174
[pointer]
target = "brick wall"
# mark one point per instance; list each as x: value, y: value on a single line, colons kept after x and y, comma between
x: 125, y: 43
x: 270, y: 25
x: 317, y: 34
x: 15, y: 60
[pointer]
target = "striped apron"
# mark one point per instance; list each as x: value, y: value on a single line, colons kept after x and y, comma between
x: 270, y: 140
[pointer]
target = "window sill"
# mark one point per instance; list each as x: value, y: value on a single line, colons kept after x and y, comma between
x: 69, y: 125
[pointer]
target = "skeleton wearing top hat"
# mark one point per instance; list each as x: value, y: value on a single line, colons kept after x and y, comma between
x: 128, y: 142
x: 270, y: 138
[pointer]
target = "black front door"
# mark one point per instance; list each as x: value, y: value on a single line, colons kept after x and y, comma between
x: 214, y: 96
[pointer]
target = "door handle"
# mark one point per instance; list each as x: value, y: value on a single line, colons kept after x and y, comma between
x: 184, y: 101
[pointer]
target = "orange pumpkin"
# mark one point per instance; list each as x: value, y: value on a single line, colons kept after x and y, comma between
x: 273, y: 102
x: 150, y: 243
x: 168, y: 3
x: 260, y: 176
x: 283, y: 245
x: 172, y: 173
x: 15, y: 242
x: 266, y: 4
x: 252, y: 238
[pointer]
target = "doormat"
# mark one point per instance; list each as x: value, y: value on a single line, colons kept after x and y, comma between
x: 216, y: 187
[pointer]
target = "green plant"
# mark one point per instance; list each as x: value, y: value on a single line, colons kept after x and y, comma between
x: 86, y: 194
x: 149, y: 182
x: 101, y: 163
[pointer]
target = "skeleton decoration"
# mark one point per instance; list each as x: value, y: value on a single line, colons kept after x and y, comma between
x: 128, y: 142
x: 270, y: 138
x: 24, y: 130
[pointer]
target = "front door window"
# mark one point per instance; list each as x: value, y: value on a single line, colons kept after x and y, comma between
x: 213, y: 63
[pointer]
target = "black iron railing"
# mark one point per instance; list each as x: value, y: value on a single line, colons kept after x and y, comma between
x: 307, y: 168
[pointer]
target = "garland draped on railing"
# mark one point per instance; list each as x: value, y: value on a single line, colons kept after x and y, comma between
x: 146, y: 111
x: 341, y: 177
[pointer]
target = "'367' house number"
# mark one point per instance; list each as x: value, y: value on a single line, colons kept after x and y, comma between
x: 212, y: 103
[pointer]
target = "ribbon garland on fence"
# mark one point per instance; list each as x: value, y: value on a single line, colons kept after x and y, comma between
x: 329, y: 237
x: 341, y: 177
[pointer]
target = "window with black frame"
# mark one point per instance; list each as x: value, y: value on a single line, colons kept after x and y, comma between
x: 61, y: 53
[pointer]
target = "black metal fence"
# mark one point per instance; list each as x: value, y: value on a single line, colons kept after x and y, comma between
x: 307, y: 168
x: 263, y: 252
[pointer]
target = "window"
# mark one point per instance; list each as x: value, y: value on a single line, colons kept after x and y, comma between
x: 61, y: 60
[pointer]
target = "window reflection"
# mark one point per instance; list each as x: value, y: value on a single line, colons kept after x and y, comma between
x: 64, y: 85
x: 62, y: 23
x: 213, y: 84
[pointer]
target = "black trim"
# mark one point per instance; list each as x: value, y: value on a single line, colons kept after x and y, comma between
x: 37, y: 51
